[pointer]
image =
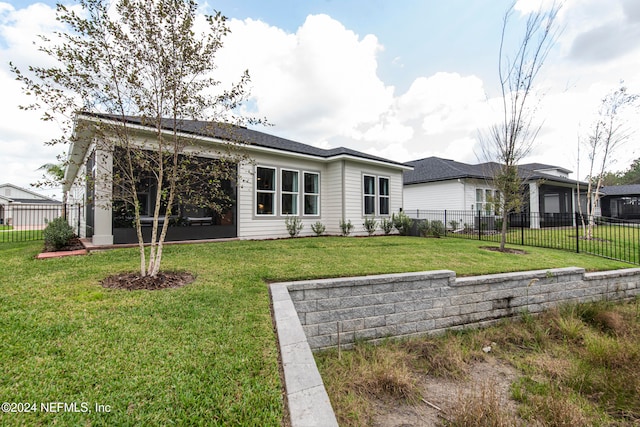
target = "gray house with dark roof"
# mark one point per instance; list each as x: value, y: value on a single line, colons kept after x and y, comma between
x: 442, y: 184
x: 283, y: 179
x: 620, y: 201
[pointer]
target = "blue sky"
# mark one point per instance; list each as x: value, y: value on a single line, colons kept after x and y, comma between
x: 403, y: 80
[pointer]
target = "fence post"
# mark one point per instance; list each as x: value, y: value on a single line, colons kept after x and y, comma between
x: 577, y: 215
x: 479, y: 226
x: 522, y: 219
x: 445, y: 223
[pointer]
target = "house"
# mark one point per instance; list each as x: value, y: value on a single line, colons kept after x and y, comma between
x: 25, y: 209
x: 620, y: 201
x: 283, y: 179
x: 441, y: 184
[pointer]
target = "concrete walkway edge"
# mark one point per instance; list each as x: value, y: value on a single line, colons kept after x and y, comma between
x: 309, y: 404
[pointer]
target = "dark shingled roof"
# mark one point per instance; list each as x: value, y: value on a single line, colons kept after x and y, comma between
x: 244, y: 135
x: 621, y: 190
x: 433, y: 169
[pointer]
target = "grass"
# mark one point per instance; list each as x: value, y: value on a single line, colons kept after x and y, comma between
x: 578, y: 365
x: 611, y: 241
x: 4, y: 227
x: 204, y: 354
x: 8, y: 235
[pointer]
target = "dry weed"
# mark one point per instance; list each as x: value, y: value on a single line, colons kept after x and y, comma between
x: 480, y: 408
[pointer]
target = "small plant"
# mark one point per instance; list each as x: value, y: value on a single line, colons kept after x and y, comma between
x: 402, y: 223
x: 424, y: 228
x: 386, y: 225
x: 346, y: 227
x: 294, y: 225
x: 318, y: 228
x: 436, y: 228
x: 454, y: 224
x: 57, y: 234
x: 370, y: 225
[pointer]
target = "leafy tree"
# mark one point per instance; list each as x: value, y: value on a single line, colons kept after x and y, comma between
x: 141, y: 58
x: 607, y: 133
x: 509, y: 141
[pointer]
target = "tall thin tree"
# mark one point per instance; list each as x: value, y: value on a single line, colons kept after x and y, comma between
x: 140, y: 58
x: 513, y: 137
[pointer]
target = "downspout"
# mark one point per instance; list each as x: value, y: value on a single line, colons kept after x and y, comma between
x: 344, y: 198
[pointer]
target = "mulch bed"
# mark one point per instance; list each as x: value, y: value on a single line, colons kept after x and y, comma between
x: 133, y: 281
x: 74, y: 245
x: 506, y: 250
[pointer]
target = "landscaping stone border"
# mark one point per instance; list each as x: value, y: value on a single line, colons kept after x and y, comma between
x: 319, y: 314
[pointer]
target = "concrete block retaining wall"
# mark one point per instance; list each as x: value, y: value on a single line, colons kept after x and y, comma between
x: 308, y: 315
x: 375, y: 307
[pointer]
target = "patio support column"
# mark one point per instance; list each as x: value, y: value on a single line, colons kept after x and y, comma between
x: 534, y: 205
x: 103, y: 218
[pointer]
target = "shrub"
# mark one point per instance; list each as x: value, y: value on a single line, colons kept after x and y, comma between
x: 318, y: 228
x: 436, y: 228
x: 454, y: 224
x: 386, y: 225
x: 370, y: 225
x: 424, y: 228
x: 57, y: 234
x: 294, y: 225
x: 346, y: 227
x: 402, y: 223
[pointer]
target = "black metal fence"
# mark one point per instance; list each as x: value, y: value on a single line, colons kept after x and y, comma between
x: 605, y: 237
x: 21, y: 222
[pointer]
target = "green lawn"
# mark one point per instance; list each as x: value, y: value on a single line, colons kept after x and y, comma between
x: 612, y: 241
x: 11, y: 235
x: 200, y: 355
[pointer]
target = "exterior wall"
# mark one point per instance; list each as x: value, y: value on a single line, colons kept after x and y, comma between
x: 375, y: 307
x: 17, y: 193
x: 30, y: 216
x: 354, y: 193
x: 341, y: 194
x: 445, y: 195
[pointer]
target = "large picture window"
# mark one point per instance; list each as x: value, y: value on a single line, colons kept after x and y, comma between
x: 289, y: 192
x: 311, y: 193
x: 265, y: 190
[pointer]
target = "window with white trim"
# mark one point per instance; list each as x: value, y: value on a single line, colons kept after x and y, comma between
x: 383, y: 194
x: 265, y: 190
x: 289, y: 192
x: 369, y: 193
x: 376, y: 195
x: 311, y: 194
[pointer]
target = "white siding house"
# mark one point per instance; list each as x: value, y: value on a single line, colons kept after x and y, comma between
x: 26, y: 210
x: 441, y: 184
x: 282, y: 178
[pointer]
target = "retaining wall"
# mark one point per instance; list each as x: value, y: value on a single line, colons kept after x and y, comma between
x: 375, y: 307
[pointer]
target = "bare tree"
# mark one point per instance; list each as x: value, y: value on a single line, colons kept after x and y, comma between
x: 511, y: 140
x: 607, y: 133
x: 141, y: 59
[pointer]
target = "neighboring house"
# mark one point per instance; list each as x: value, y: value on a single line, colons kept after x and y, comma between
x: 25, y: 209
x: 620, y: 201
x: 442, y: 184
x: 284, y: 178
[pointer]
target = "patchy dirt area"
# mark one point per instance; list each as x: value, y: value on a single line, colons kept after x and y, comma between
x: 506, y: 250
x: 133, y: 281
x: 441, y: 395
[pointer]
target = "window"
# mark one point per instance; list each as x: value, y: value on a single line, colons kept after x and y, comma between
x: 376, y: 198
x: 488, y: 207
x: 265, y: 190
x: 289, y: 192
x: 369, y: 195
x: 383, y: 188
x: 311, y: 193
